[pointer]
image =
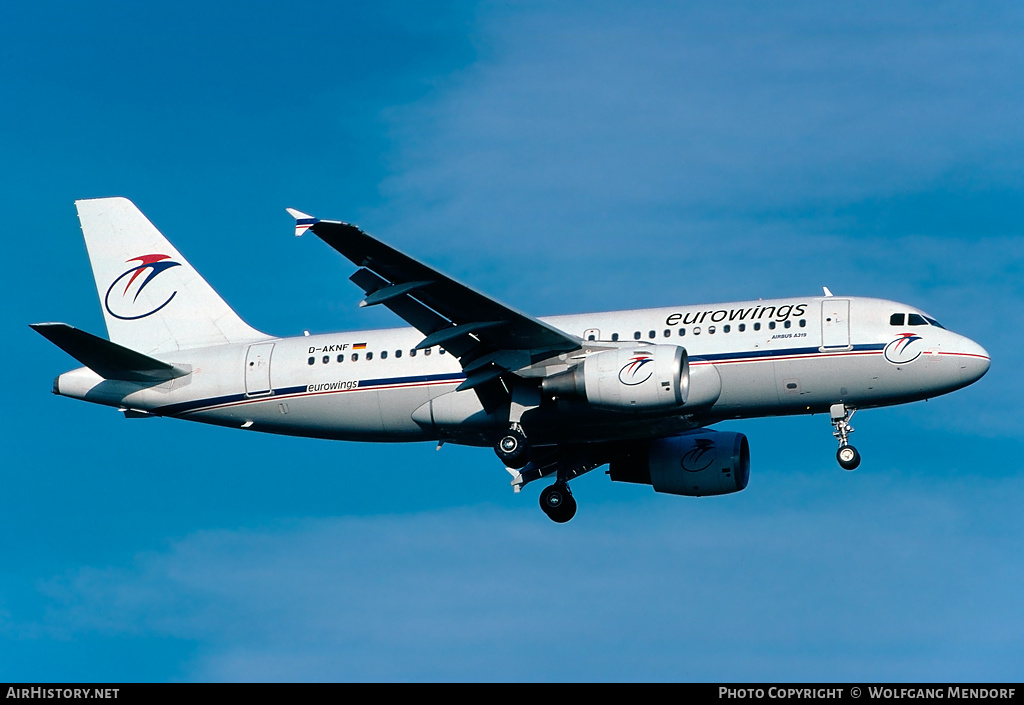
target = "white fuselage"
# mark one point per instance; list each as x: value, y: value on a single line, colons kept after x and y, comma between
x: 783, y: 356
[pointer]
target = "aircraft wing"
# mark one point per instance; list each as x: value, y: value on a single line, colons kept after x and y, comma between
x: 488, y: 337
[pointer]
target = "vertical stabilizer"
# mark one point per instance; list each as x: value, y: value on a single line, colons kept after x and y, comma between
x: 153, y: 300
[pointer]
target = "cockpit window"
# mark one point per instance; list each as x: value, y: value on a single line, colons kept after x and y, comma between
x: 913, y: 319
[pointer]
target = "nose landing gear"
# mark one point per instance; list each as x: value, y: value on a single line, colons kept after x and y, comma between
x: 847, y: 455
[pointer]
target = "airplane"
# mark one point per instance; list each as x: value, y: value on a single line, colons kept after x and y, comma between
x: 555, y: 397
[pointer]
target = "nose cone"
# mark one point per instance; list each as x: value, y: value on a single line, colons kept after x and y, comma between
x: 974, y: 361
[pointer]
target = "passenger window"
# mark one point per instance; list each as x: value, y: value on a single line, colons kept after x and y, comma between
x: 743, y: 327
x: 711, y: 330
x: 787, y: 324
x: 650, y: 334
x: 682, y: 332
x: 327, y: 358
x: 369, y: 356
x: 355, y: 357
x: 427, y: 351
x: 803, y: 322
x: 341, y: 358
x: 696, y: 330
x: 312, y: 360
x: 412, y: 353
x: 615, y: 336
x: 440, y: 351
x: 668, y: 333
x: 398, y: 353
x: 726, y: 328
x: 757, y: 326
x: 896, y: 319
x: 914, y: 319
x: 636, y: 335
x: 383, y: 354
x: 591, y: 337
x: 771, y: 325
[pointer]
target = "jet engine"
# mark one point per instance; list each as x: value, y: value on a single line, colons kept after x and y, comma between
x: 698, y: 464
x: 643, y: 377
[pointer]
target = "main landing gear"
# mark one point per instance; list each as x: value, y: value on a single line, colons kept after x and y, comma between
x: 516, y: 452
x: 847, y: 455
x: 557, y: 502
x: 512, y: 448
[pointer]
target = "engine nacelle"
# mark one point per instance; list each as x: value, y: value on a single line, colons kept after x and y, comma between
x: 698, y: 464
x: 641, y: 377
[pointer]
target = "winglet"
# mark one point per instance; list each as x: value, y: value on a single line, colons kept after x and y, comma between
x: 827, y: 292
x: 303, y: 221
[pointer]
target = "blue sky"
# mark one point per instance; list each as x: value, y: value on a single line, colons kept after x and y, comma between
x: 562, y: 157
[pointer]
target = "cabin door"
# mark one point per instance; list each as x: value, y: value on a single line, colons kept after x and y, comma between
x: 835, y: 323
x: 257, y: 369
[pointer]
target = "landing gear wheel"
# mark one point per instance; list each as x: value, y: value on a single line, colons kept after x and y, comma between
x: 558, y: 503
x: 848, y: 457
x: 513, y: 449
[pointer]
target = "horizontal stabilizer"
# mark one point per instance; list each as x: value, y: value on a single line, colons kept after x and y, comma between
x: 108, y: 360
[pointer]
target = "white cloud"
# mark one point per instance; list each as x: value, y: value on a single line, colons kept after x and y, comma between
x: 886, y: 583
x: 571, y: 118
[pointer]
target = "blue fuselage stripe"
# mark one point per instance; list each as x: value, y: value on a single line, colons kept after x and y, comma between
x: 371, y: 384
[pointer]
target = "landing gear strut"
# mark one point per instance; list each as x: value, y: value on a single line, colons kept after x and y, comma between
x: 512, y: 448
x: 557, y: 502
x: 847, y: 455
x: 558, y: 463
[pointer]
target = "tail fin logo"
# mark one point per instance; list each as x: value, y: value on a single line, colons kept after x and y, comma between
x: 122, y: 299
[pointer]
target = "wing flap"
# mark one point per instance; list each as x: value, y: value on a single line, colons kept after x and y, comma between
x: 391, y: 291
x: 405, y: 307
x: 446, y: 335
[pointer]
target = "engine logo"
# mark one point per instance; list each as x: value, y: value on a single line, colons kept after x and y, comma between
x: 124, y: 303
x: 700, y: 457
x: 634, y: 372
x: 902, y: 350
